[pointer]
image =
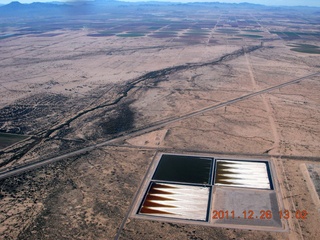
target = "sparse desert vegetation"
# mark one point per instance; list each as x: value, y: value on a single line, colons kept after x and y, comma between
x: 100, y: 91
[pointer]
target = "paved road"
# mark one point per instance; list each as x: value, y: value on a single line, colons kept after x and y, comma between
x: 155, y: 126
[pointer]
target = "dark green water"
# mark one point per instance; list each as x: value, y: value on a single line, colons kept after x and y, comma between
x: 6, y: 139
x: 185, y: 169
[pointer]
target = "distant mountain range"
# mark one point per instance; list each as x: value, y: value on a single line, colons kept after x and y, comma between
x: 16, y: 9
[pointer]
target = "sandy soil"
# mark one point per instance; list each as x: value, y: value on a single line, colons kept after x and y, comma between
x: 71, y: 91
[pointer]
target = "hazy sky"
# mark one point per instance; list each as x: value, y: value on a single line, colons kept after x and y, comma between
x: 265, y: 2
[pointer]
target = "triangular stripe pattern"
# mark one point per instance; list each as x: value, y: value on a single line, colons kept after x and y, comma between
x: 242, y: 174
x: 176, y: 201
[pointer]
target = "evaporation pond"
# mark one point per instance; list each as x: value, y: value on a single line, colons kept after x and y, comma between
x: 176, y: 201
x: 184, y: 169
x: 6, y: 139
x: 243, y: 174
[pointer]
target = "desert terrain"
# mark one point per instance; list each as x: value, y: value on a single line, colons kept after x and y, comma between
x: 94, y: 98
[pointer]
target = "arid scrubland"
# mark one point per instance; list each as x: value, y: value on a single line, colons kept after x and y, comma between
x: 235, y: 81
